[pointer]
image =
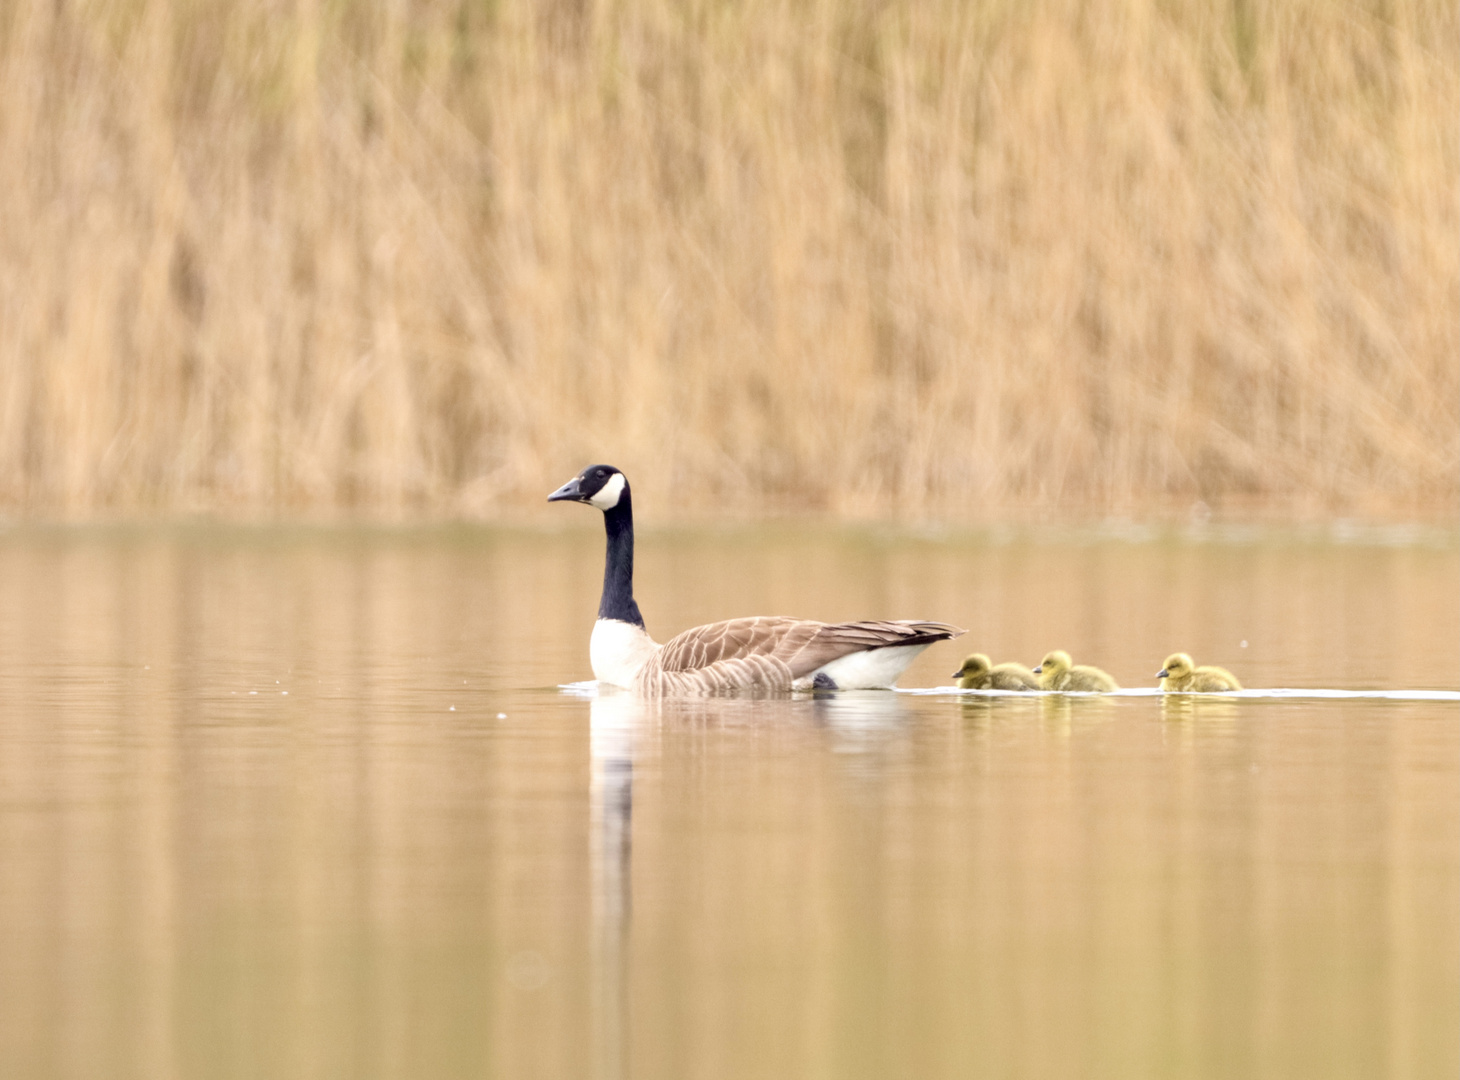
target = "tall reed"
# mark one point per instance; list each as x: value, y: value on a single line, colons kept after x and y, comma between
x: 869, y: 257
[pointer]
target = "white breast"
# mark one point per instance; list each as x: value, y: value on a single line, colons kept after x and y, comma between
x: 618, y: 650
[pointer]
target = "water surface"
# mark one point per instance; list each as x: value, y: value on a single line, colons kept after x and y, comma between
x: 312, y: 804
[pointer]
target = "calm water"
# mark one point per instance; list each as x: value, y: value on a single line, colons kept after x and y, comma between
x: 311, y: 804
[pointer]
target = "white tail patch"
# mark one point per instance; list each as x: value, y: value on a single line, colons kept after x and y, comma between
x: 871, y: 669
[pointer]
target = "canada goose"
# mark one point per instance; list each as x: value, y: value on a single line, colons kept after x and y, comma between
x: 765, y: 652
x: 1058, y: 672
x: 1180, y: 676
x: 977, y: 673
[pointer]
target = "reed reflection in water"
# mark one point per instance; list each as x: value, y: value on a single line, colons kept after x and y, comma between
x: 311, y: 804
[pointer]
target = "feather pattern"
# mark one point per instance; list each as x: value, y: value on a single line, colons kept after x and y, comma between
x: 773, y: 652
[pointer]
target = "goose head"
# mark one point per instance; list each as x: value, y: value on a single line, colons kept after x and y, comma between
x: 1054, y: 660
x: 974, y: 664
x: 598, y: 485
x: 1177, y: 666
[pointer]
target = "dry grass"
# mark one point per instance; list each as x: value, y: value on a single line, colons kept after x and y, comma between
x: 935, y: 257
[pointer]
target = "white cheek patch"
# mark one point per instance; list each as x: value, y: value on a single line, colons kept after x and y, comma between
x: 607, y: 497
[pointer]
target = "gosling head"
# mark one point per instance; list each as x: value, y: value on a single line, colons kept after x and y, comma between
x: 973, y: 664
x: 1177, y: 666
x: 1054, y: 660
x: 602, y: 486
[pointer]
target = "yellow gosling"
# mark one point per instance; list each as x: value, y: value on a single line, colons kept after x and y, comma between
x: 977, y: 673
x: 1058, y: 672
x: 1180, y: 676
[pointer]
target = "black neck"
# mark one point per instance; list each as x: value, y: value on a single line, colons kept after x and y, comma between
x: 618, y: 566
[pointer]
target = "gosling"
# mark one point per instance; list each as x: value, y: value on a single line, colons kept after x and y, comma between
x: 1058, y: 672
x: 978, y: 674
x: 1180, y: 676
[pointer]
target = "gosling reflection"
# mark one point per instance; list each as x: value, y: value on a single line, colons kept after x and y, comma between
x: 987, y: 708
x: 1202, y: 707
x: 612, y: 720
x: 1063, y: 714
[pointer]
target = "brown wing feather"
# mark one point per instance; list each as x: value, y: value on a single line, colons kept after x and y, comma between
x: 771, y: 652
x: 836, y: 640
x: 733, y: 674
x: 767, y: 635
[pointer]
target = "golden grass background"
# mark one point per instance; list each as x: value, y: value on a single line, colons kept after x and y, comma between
x: 929, y: 258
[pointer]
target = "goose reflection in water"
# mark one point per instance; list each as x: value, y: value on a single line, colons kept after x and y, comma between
x: 613, y: 718
x: 859, y: 723
x: 857, y: 720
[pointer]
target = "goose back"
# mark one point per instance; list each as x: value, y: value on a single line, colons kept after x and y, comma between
x: 781, y: 653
